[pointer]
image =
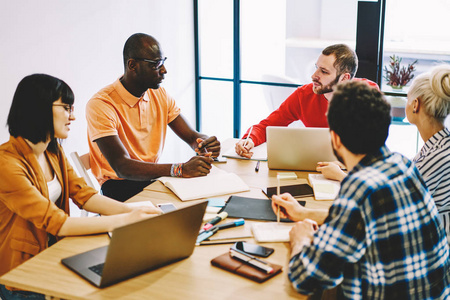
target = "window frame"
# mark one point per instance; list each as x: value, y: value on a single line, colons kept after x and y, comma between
x: 369, y: 48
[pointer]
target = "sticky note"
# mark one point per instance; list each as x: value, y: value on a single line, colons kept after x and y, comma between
x: 286, y: 175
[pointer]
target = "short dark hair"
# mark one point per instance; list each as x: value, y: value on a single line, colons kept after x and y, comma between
x: 346, y: 59
x: 134, y: 46
x: 31, y: 113
x: 360, y: 116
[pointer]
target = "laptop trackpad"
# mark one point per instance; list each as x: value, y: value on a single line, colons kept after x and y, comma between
x: 81, y: 263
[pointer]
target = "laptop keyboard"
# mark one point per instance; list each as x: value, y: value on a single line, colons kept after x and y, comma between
x: 98, y: 269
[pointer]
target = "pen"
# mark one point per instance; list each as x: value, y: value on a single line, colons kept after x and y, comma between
x: 278, y: 194
x: 236, y: 223
x: 208, y: 242
x: 251, y: 260
x: 230, y: 238
x: 248, y: 136
x: 257, y: 166
x: 205, y: 234
x: 216, y: 220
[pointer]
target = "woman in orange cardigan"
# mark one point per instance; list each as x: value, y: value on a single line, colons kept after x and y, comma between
x: 36, y: 180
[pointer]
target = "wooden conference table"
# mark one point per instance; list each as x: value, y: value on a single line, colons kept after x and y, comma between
x: 191, y: 278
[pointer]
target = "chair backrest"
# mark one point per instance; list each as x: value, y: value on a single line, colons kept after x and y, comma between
x: 275, y: 95
x: 82, y: 165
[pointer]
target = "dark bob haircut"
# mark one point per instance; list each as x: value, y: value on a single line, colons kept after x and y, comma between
x: 31, y: 113
x: 360, y: 116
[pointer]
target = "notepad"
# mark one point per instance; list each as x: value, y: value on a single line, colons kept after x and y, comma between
x: 217, y: 182
x: 259, y: 153
x: 271, y: 232
x: 324, y: 189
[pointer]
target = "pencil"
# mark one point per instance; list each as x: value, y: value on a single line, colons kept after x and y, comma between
x: 278, y: 194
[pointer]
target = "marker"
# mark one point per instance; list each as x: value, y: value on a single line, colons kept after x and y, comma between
x: 236, y: 223
x: 216, y: 220
x: 205, y: 234
x: 251, y: 260
x: 257, y: 166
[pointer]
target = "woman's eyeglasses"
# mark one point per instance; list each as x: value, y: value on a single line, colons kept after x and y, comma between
x: 67, y: 107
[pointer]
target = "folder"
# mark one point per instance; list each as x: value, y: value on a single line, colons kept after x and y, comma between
x: 251, y: 208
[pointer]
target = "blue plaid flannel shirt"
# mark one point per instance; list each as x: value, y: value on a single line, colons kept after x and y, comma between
x: 382, y: 239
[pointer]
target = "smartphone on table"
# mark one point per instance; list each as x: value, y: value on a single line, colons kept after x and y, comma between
x: 252, y: 249
x: 167, y: 207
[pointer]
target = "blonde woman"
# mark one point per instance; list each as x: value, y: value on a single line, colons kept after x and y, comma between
x: 427, y: 107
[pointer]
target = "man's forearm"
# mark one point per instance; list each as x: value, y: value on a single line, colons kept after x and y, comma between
x: 318, y: 215
x: 140, y: 171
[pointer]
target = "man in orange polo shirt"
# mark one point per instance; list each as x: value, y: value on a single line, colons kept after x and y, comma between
x: 127, y: 123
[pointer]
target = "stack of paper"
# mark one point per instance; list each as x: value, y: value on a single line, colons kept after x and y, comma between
x: 324, y: 189
x: 217, y: 182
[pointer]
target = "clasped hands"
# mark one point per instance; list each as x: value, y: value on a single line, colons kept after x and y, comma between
x: 201, y: 164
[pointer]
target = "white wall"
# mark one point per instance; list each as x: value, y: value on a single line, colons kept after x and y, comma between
x: 81, y: 42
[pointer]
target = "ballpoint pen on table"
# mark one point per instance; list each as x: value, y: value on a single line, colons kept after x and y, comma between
x: 236, y: 223
x: 251, y: 260
x: 257, y: 166
x: 205, y: 234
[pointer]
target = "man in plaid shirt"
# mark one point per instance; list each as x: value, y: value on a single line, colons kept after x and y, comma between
x: 382, y: 237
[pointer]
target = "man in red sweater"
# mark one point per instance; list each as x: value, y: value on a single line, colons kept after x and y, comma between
x: 309, y: 103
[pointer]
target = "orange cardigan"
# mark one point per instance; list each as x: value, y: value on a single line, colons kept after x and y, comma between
x: 26, y: 213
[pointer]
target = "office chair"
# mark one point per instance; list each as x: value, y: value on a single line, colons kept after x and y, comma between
x: 82, y: 165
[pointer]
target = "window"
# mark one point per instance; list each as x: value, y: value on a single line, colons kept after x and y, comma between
x: 276, y: 43
x: 253, y: 53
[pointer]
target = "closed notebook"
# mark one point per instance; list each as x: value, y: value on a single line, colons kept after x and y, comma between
x: 251, y: 208
x: 296, y: 190
x: 226, y: 262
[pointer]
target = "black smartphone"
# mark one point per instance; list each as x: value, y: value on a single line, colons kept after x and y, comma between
x: 252, y: 249
x: 166, y: 207
x: 296, y: 190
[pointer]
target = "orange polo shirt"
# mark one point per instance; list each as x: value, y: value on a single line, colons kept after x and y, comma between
x: 140, y: 123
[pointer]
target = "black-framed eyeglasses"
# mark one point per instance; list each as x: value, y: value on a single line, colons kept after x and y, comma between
x: 157, y: 63
x: 67, y: 107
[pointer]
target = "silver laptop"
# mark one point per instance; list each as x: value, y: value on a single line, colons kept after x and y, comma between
x: 139, y: 247
x: 298, y: 148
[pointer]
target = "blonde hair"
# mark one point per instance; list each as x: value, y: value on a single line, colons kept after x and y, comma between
x: 433, y: 89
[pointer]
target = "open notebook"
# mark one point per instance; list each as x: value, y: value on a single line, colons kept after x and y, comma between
x: 271, y: 232
x: 217, y: 182
x: 259, y: 153
x: 324, y: 189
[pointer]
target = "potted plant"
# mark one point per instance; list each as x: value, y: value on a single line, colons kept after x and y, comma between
x: 398, y: 76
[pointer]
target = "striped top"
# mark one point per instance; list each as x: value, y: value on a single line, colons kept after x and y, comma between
x: 433, y: 162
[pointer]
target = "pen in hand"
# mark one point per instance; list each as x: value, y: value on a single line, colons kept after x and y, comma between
x: 248, y: 136
x: 278, y: 194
